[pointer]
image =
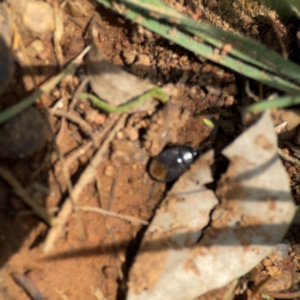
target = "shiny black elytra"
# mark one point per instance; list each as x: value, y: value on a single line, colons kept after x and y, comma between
x: 172, y: 162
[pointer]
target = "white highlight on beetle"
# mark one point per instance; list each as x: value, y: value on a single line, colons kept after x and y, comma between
x: 187, y: 156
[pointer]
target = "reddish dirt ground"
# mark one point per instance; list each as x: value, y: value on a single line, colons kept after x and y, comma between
x: 94, y: 252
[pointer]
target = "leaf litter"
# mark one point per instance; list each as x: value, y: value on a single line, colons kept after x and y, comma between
x: 236, y: 227
x: 255, y: 210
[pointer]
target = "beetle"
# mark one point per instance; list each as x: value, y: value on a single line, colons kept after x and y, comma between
x: 172, y: 162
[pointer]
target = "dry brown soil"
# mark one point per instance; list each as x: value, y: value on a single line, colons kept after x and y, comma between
x: 94, y: 253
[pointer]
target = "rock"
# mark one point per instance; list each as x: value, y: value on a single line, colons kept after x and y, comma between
x: 129, y: 56
x: 23, y: 135
x: 232, y: 89
x: 38, y: 17
x: 79, y: 9
x: 109, y: 171
x: 142, y: 66
x: 35, y: 48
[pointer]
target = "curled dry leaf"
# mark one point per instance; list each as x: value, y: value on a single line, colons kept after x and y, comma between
x: 180, y: 260
x: 113, y: 85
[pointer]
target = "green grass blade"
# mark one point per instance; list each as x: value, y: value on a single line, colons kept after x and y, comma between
x: 276, y: 103
x: 207, y: 51
x: 13, y: 110
x: 244, y: 48
x: 216, y: 37
x: 156, y: 93
x: 293, y: 6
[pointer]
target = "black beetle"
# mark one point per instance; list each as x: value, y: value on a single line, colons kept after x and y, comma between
x: 172, y: 162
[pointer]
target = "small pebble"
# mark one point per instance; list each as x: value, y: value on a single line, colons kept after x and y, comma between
x: 35, y: 48
x: 120, y: 135
x: 110, y: 272
x: 267, y: 262
x: 142, y: 66
x: 38, y: 17
x: 132, y: 134
x: 232, y: 89
x: 79, y: 9
x: 296, y: 177
x: 109, y: 171
x: 93, y: 116
x: 292, y: 170
x: 229, y: 101
x: 129, y: 56
x: 212, y: 3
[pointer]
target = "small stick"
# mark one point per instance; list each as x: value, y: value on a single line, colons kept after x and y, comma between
x: 278, y: 32
x: 23, y: 213
x: 13, y: 110
x: 86, y: 177
x: 27, y: 285
x: 79, y: 89
x: 99, y: 295
x: 287, y: 157
x: 61, y: 294
x: 76, y: 119
x: 278, y: 295
x: 22, y: 193
x: 85, y: 147
x: 58, y: 33
x: 112, y: 214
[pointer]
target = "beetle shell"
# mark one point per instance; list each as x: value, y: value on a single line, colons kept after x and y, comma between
x: 171, y: 163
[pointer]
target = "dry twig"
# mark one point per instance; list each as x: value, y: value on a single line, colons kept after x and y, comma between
x: 86, y: 177
x: 279, y: 33
x: 85, y: 147
x: 287, y: 157
x: 112, y: 214
x: 22, y: 193
x: 58, y: 33
x: 279, y: 295
x: 27, y: 285
x: 76, y: 119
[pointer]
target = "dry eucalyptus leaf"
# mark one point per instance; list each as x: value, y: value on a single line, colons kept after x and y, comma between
x: 179, y: 259
x: 112, y: 84
x: 165, y: 253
